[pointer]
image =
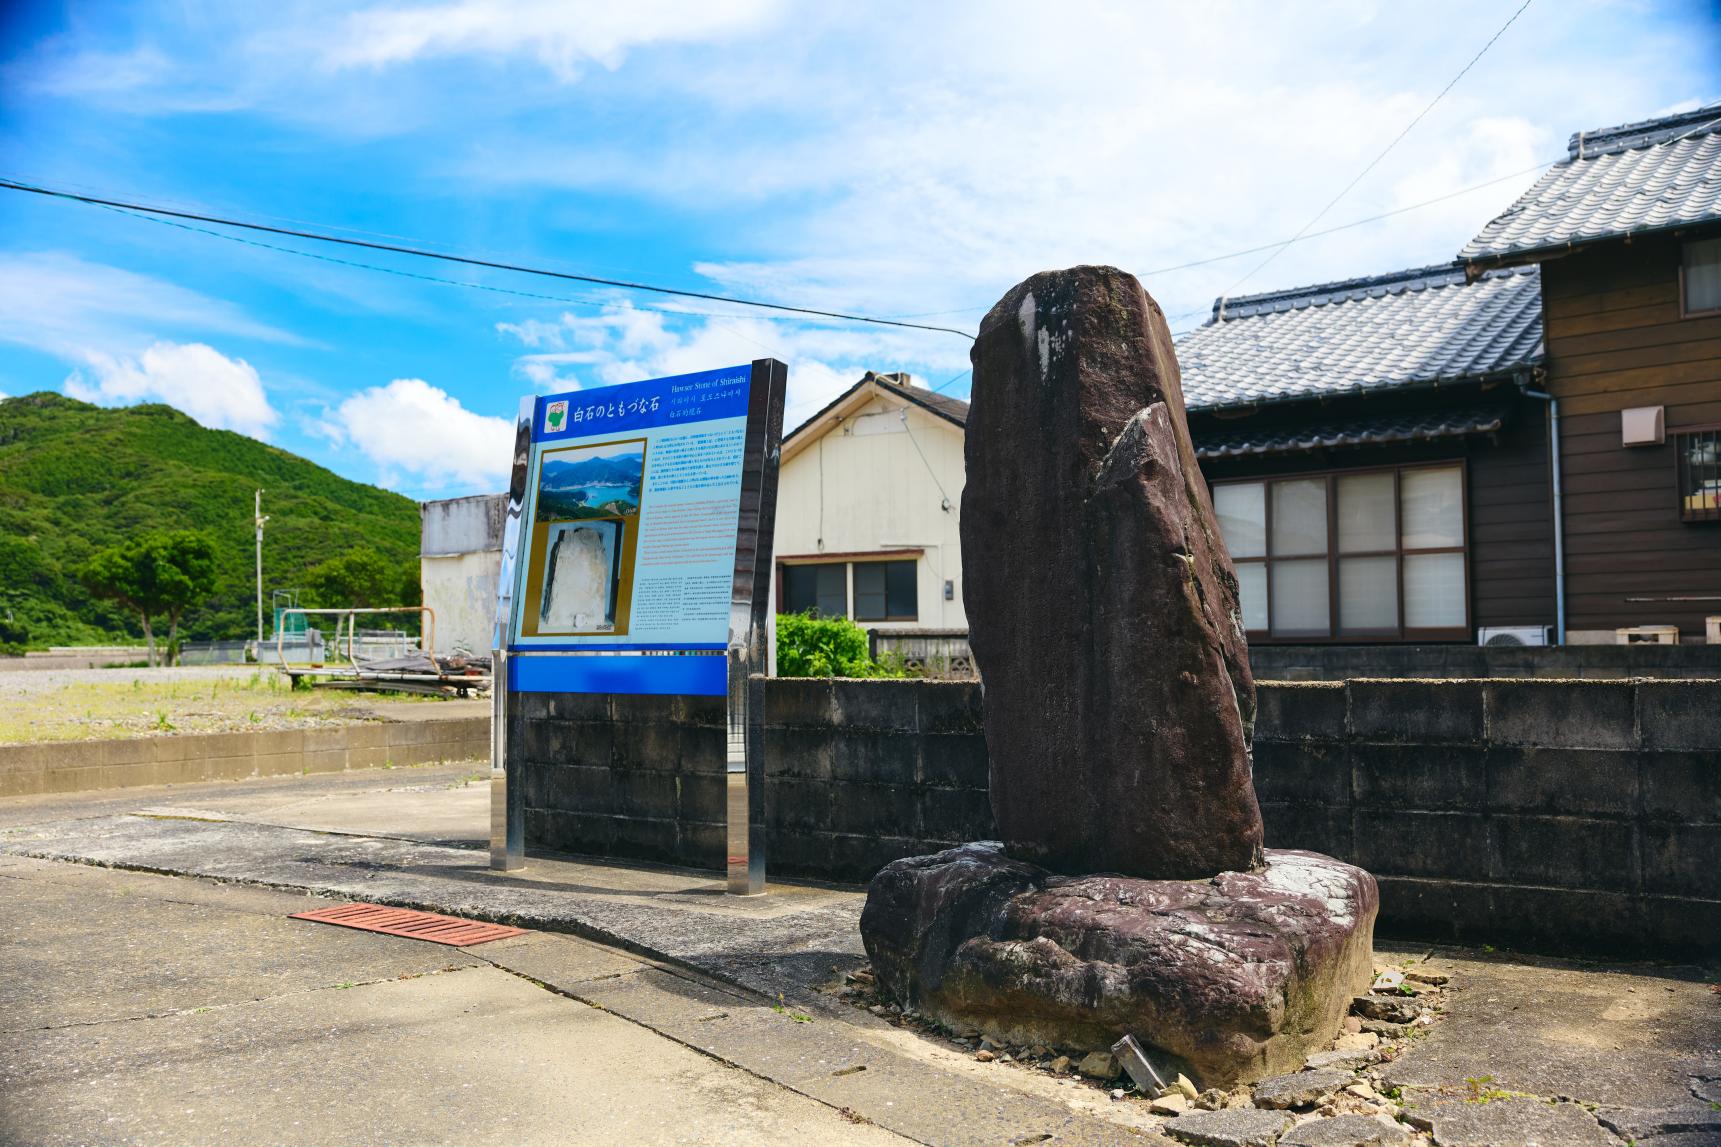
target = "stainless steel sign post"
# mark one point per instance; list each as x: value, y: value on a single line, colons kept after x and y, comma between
x: 636, y: 559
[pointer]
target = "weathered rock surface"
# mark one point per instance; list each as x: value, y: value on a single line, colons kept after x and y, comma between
x: 1237, y: 977
x: 1102, y: 605
x: 1235, y: 1127
x: 1347, y: 1131
x: 1302, y: 1088
x: 1525, y: 1122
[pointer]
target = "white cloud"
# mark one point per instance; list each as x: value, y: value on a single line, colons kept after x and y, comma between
x: 220, y: 392
x: 56, y: 302
x: 561, y: 35
x: 626, y: 343
x: 410, y: 427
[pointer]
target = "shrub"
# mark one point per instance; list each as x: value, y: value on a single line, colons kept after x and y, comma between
x: 812, y: 646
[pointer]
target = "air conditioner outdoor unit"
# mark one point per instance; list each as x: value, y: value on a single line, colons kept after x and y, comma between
x: 1512, y: 635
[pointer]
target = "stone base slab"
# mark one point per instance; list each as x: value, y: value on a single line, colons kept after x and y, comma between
x: 1232, y: 979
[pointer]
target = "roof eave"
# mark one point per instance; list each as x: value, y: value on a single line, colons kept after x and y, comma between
x: 1503, y: 374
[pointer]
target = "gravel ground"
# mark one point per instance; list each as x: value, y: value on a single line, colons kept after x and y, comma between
x: 100, y: 704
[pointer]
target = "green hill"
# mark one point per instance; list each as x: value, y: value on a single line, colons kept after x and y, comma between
x: 75, y: 478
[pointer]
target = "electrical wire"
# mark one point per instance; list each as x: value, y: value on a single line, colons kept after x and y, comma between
x: 1375, y: 162
x: 620, y: 284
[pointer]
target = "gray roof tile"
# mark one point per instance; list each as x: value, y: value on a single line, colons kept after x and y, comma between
x: 1645, y: 176
x: 1275, y: 437
x: 1407, y: 329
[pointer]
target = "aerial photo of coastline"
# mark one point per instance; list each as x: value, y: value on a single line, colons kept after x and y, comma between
x: 591, y: 481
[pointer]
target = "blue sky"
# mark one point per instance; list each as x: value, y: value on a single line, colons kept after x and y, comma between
x: 892, y: 159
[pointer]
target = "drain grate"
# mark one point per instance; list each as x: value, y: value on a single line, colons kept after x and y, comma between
x: 415, y: 925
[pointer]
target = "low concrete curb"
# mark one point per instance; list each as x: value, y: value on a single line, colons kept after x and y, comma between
x: 79, y: 766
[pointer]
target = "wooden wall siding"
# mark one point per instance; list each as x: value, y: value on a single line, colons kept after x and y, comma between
x: 1615, y: 339
x: 1511, y: 525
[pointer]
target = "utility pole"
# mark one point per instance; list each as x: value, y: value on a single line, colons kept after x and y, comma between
x: 261, y: 518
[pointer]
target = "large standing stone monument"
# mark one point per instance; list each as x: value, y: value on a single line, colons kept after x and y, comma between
x: 1102, y: 606
x: 1131, y: 894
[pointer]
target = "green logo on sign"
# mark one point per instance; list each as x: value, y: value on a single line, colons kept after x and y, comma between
x: 555, y: 415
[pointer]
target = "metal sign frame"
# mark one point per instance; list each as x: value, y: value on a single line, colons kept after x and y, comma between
x: 747, y: 646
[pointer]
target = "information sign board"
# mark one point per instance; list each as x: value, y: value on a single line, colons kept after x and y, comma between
x: 636, y: 558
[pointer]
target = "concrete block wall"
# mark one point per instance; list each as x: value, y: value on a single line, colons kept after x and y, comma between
x: 858, y: 774
x: 1564, y: 816
x: 79, y: 766
x: 1559, y: 815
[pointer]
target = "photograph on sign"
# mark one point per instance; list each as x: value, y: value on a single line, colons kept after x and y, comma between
x: 584, y: 536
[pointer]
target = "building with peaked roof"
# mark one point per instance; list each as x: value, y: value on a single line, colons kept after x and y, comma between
x: 1376, y: 469
x: 869, y: 497
x: 1626, y: 232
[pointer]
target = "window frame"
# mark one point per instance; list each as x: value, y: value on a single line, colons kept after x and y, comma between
x: 1401, y: 633
x: 885, y: 564
x: 1685, y: 311
x: 847, y: 561
x: 1677, y: 438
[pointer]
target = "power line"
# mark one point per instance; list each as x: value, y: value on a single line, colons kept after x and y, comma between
x: 621, y: 284
x: 1333, y: 202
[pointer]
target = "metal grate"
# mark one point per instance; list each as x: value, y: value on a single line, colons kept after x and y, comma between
x: 414, y: 925
x: 1697, y: 455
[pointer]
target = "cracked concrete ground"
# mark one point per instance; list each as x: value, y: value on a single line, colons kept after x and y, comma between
x: 1562, y: 1052
x: 149, y: 1009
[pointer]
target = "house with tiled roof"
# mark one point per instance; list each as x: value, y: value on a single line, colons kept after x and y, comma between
x: 1381, y: 451
x: 1521, y: 445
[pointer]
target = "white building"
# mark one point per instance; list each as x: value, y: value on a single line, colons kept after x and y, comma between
x: 459, y: 564
x: 869, y: 502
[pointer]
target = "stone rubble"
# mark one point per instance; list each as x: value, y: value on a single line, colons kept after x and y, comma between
x: 1338, y: 1099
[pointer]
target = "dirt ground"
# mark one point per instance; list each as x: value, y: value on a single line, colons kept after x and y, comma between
x: 103, y: 704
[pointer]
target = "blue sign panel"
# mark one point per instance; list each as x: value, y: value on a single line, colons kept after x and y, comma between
x: 627, y: 536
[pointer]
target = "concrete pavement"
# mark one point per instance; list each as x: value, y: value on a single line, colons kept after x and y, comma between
x: 149, y: 1009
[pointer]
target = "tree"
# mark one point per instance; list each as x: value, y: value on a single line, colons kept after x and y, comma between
x: 163, y: 572
x: 184, y: 565
x: 358, y: 579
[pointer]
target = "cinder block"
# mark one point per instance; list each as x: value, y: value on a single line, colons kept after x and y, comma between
x: 1680, y: 714
x: 1681, y: 860
x: 1440, y: 845
x: 800, y: 702
x: 1416, y: 712
x: 642, y: 709
x: 955, y: 760
x: 648, y: 746
x: 950, y: 707
x: 1562, y: 781
x: 1316, y: 828
x: 1564, y: 851
x: 571, y: 788
x: 645, y: 793
x: 886, y: 706
x: 875, y: 758
x: 704, y: 749
x: 1564, y: 922
x: 645, y: 839
x: 1679, y: 928
x: 1303, y: 772
x: 955, y: 814
x: 1286, y: 711
x: 585, y: 834
x: 1428, y: 777
x: 1561, y: 714
x: 799, y: 804
x: 324, y: 761
x: 702, y: 712
x: 1416, y: 908
x: 564, y: 706
x: 799, y: 752
x: 1683, y: 787
x: 706, y: 845
x: 877, y: 809
x: 702, y: 798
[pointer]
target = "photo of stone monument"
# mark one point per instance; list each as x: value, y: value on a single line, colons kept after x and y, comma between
x: 582, y: 575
